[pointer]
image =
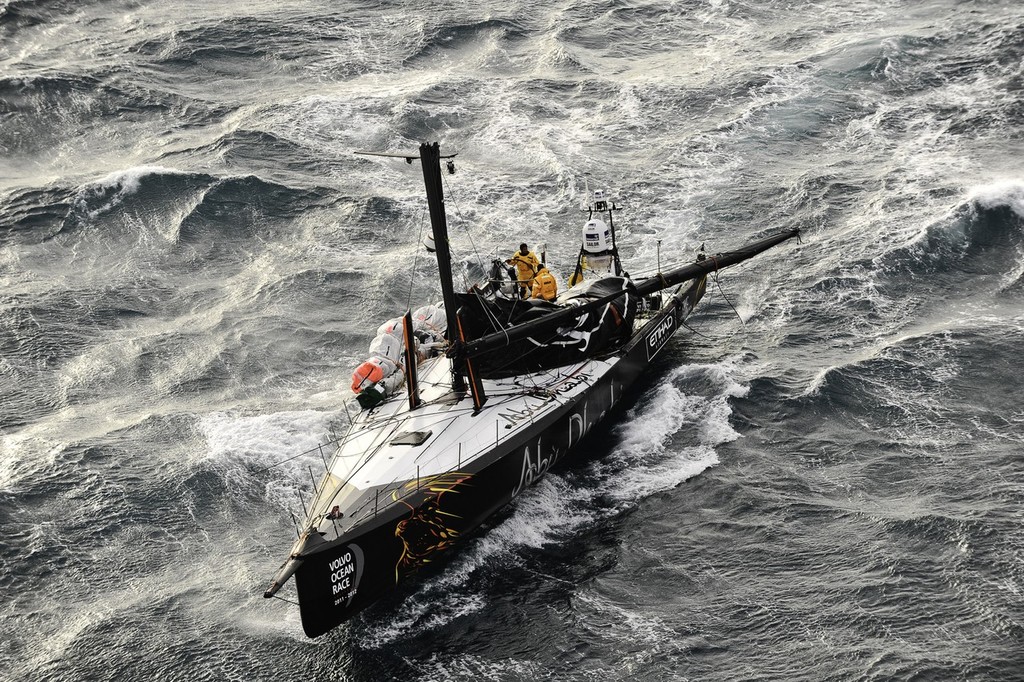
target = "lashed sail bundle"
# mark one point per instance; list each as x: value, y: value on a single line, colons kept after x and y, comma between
x: 541, y: 340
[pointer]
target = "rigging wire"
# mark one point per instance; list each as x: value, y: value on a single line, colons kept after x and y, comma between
x: 705, y: 304
x: 465, y: 224
x: 415, y: 260
x: 694, y: 331
x: 495, y: 323
x: 722, y: 291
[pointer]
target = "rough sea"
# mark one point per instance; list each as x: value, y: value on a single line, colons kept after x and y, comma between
x: 823, y: 480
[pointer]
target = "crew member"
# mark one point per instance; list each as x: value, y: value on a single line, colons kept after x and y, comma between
x: 527, y: 265
x: 544, y: 284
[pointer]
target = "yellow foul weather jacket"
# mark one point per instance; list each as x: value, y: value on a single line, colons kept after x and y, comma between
x: 526, y: 266
x: 545, y: 286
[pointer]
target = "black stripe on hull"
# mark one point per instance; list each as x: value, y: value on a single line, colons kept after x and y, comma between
x: 357, y: 569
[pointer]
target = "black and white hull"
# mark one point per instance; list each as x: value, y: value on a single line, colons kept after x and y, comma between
x: 520, y: 383
x: 410, y: 503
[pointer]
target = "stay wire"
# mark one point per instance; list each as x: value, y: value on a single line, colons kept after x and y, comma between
x: 704, y: 303
x: 694, y: 331
x: 415, y: 260
x: 465, y: 224
x: 495, y: 323
x: 722, y: 291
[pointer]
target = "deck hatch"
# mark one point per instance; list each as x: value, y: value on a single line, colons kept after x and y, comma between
x: 411, y: 438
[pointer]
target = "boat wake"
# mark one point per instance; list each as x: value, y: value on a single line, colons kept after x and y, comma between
x: 671, y: 436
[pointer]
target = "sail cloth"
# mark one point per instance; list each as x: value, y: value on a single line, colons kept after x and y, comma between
x: 381, y: 374
x: 591, y: 334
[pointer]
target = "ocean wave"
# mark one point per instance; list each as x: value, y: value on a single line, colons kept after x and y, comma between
x: 135, y: 192
x: 957, y: 86
x: 300, y: 294
x: 452, y: 38
x: 65, y: 519
x: 950, y: 53
x: 1007, y: 194
x: 54, y: 354
x: 26, y: 93
x: 928, y: 527
x: 256, y: 150
x: 981, y: 236
x: 454, y: 666
x: 39, y: 110
x: 55, y: 97
x: 894, y: 384
x: 192, y: 206
x: 32, y: 215
x: 915, y: 278
x: 19, y: 14
x: 672, y: 434
x: 926, y: 374
x: 99, y: 197
x: 216, y: 45
x: 243, y: 207
x: 43, y: 330
x: 327, y: 46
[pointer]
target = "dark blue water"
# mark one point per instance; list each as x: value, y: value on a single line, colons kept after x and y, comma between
x: 827, y: 487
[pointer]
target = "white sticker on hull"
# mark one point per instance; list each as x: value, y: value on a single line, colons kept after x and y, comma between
x: 345, y: 573
x: 660, y: 335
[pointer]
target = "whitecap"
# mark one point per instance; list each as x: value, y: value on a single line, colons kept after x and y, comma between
x: 1008, y: 193
x: 115, y: 187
